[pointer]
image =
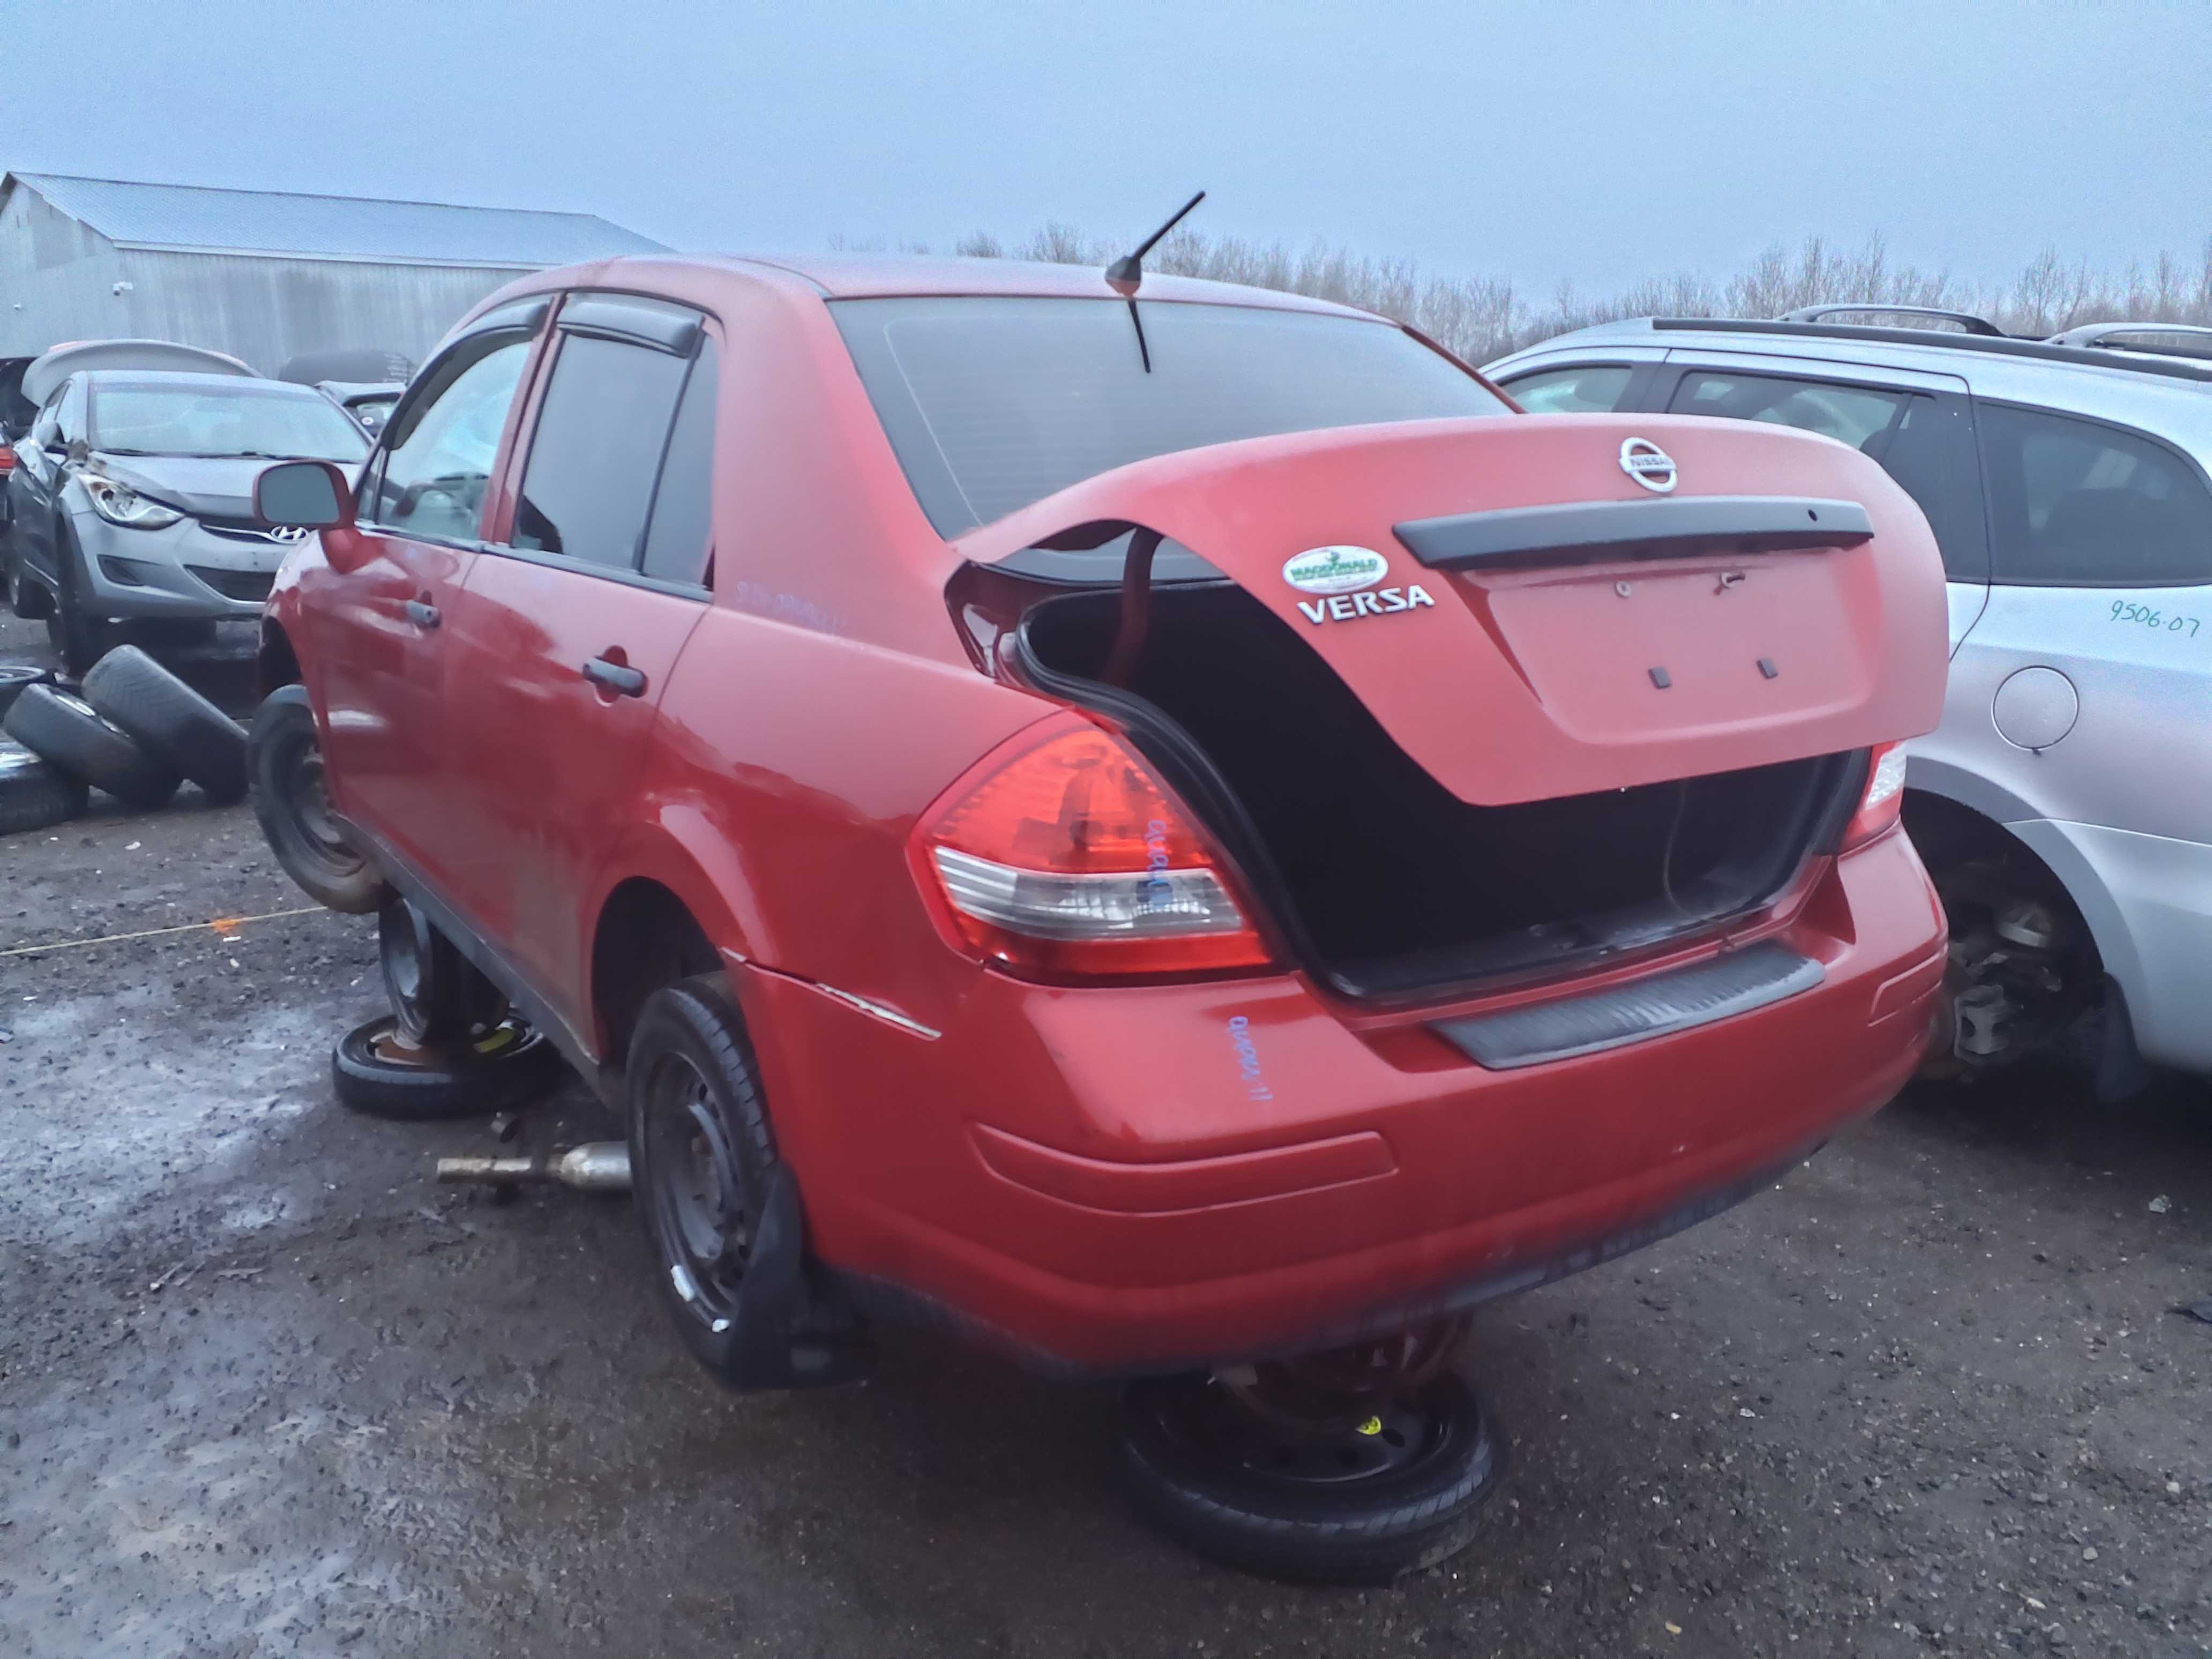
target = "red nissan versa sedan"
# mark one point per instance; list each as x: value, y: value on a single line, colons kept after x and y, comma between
x: 1184, y: 837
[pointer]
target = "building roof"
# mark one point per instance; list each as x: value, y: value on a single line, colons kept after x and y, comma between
x: 198, y: 219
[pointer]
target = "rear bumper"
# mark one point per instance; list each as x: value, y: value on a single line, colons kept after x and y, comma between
x: 1143, y: 1179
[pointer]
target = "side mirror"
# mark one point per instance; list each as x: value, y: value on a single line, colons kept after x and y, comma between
x: 310, y: 495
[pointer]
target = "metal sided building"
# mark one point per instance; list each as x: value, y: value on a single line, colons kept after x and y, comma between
x: 261, y: 274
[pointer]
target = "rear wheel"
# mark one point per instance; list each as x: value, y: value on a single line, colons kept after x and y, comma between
x: 1297, y: 1471
x: 700, y: 1157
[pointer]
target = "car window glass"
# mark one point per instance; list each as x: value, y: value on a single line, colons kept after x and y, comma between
x: 42, y: 430
x: 433, y: 481
x: 1857, y: 415
x: 678, y: 543
x: 992, y: 402
x: 1591, y: 389
x: 595, y: 452
x: 1930, y: 455
x: 2075, y: 501
x: 69, y: 419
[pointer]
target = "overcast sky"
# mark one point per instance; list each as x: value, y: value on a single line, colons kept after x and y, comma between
x: 1538, y: 141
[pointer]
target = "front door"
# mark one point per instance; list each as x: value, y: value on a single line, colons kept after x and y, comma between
x: 377, y: 621
x: 571, y: 622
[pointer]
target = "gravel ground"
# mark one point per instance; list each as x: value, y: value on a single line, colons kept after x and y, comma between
x: 266, y: 1390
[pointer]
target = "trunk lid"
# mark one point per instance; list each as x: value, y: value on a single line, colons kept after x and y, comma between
x: 1527, y: 620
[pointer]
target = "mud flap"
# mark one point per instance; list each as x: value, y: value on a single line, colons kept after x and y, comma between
x: 793, y: 1330
x: 2118, y: 1072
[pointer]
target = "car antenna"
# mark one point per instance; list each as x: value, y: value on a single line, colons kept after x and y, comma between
x: 1127, y: 274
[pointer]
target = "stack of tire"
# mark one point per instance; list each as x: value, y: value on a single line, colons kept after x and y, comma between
x: 132, y: 730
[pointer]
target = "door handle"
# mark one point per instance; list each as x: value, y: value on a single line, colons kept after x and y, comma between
x: 617, y: 678
x: 421, y: 615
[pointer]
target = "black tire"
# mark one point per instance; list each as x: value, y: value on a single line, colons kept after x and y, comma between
x: 26, y: 597
x: 1190, y: 1476
x: 438, y: 995
x: 378, y: 1074
x: 13, y: 676
x: 172, y: 722
x: 284, y: 763
x: 60, y: 727
x: 701, y: 1153
x: 33, y: 794
x: 82, y: 639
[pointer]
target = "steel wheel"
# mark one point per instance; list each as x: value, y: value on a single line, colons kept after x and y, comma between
x: 698, y: 1202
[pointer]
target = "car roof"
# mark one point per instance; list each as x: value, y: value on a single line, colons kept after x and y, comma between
x: 2172, y: 396
x: 872, y: 276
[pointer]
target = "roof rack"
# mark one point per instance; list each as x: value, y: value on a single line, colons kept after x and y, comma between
x: 2145, y: 362
x: 2195, y: 339
x: 1966, y: 320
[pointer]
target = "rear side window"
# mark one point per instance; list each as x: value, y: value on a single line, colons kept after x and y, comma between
x: 1921, y: 441
x: 2077, y: 503
x: 432, y: 480
x: 993, y: 402
x: 678, y: 543
x: 596, y: 455
x: 1592, y: 389
x: 1855, y: 415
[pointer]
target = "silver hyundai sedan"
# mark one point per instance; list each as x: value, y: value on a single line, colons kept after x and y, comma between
x: 133, y: 498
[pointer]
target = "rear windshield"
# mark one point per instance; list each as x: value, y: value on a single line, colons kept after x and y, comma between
x: 218, y: 420
x: 994, y: 402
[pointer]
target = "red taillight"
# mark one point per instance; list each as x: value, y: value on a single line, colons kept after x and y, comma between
x: 1884, y: 800
x: 1061, y: 856
x: 7, y: 459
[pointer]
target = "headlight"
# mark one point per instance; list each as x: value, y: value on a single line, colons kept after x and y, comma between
x: 120, y: 504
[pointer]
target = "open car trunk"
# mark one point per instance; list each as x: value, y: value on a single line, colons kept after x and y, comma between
x: 1392, y: 884
x: 1473, y: 698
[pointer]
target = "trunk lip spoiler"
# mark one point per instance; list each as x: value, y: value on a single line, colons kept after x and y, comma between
x: 1683, y: 526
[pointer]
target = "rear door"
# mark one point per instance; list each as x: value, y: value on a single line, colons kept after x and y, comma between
x: 377, y: 622
x: 1919, y: 426
x: 2093, y: 662
x: 573, y: 617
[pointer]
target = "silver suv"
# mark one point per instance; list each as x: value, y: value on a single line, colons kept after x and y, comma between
x: 2064, y: 805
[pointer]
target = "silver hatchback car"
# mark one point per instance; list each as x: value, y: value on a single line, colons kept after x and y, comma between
x: 2064, y: 805
x: 132, y: 497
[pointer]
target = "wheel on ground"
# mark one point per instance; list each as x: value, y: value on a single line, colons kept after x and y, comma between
x: 1361, y: 1501
x: 81, y: 637
x: 378, y: 1072
x: 13, y: 676
x: 292, y: 799
x: 33, y: 794
x: 62, y: 728
x: 172, y: 722
x: 438, y: 995
x: 699, y: 1156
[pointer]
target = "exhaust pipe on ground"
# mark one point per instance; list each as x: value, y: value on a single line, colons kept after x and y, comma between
x: 597, y: 1166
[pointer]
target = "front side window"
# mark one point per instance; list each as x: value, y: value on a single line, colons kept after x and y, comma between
x: 993, y: 401
x: 69, y: 415
x: 216, y: 419
x: 1589, y: 389
x: 2076, y: 503
x: 596, y: 454
x: 437, y: 463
